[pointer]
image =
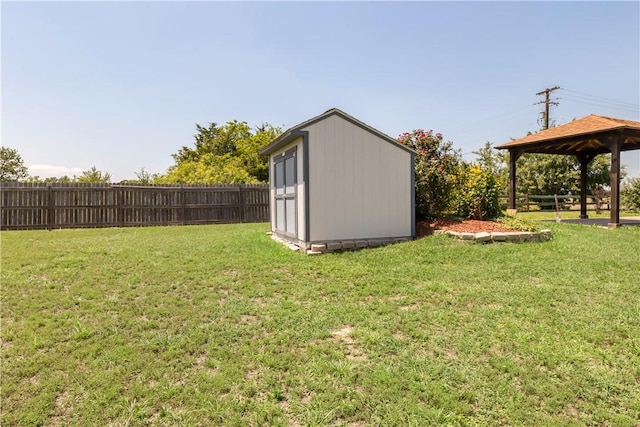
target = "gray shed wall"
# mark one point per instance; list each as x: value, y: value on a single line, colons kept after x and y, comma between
x: 360, y: 184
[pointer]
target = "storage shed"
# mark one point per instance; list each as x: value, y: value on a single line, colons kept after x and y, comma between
x: 337, y: 183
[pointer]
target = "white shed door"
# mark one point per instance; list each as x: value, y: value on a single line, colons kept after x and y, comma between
x: 285, y: 192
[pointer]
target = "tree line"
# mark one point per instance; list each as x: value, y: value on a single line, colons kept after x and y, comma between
x: 229, y: 154
x: 220, y: 154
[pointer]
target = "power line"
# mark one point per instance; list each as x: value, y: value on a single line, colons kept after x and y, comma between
x: 601, y: 98
x: 616, y: 107
x: 494, y: 117
x: 601, y: 101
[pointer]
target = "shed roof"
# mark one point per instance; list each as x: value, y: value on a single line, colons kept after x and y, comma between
x: 583, y: 135
x: 295, y: 132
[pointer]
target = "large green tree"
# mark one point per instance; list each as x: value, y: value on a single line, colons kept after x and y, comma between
x: 94, y: 176
x: 223, y: 154
x: 143, y: 177
x: 630, y: 194
x: 12, y: 166
x: 49, y: 180
x: 558, y: 174
x: 538, y: 174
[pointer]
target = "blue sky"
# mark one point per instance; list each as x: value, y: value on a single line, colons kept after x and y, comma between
x: 120, y: 85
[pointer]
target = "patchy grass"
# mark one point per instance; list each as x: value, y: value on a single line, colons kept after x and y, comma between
x: 212, y: 325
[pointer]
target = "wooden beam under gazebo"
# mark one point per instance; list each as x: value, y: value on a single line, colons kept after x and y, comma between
x: 584, y: 138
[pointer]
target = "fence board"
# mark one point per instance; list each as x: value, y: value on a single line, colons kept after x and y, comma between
x: 64, y: 205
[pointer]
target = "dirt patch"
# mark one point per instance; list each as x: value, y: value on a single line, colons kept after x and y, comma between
x: 342, y: 333
x: 200, y: 364
x: 401, y: 336
x: 248, y: 319
x: 343, y: 336
x: 426, y: 228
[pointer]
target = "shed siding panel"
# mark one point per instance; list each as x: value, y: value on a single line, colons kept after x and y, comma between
x: 300, y: 230
x: 360, y: 184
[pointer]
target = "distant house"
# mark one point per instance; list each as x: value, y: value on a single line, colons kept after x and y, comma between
x: 338, y: 183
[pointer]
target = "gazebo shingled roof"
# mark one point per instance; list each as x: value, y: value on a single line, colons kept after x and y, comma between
x: 585, y: 138
x: 578, y: 136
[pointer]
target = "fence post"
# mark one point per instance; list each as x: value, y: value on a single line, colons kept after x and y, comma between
x: 50, y: 208
x: 116, y: 205
x: 121, y: 205
x: 183, y: 204
x: 240, y: 204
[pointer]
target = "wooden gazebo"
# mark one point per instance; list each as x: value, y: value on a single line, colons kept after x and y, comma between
x: 584, y: 138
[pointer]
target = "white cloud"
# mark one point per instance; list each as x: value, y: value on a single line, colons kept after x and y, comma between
x: 48, y: 171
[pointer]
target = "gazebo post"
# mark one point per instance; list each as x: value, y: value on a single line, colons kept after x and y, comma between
x: 614, y: 144
x: 584, y: 160
x: 513, y: 158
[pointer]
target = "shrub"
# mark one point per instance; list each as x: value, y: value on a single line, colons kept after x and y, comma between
x: 477, y: 195
x: 519, y: 223
x: 435, y: 171
x: 630, y: 194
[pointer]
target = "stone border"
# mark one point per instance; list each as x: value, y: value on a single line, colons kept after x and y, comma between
x: 345, y: 245
x: 511, y: 236
x: 321, y: 248
x: 481, y: 237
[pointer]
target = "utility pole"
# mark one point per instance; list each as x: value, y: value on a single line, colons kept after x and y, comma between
x: 546, y: 103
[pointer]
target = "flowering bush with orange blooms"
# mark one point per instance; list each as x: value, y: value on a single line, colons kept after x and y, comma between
x: 477, y: 194
x: 436, y: 171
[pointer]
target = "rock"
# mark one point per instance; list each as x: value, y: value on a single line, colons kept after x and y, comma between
x: 498, y: 236
x: 348, y: 244
x: 513, y: 237
x: 333, y: 246
x: 482, y: 237
x: 527, y: 236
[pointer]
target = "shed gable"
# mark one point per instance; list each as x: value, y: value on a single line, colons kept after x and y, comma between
x: 295, y: 131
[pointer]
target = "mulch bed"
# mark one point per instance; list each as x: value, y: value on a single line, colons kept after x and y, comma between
x: 426, y: 228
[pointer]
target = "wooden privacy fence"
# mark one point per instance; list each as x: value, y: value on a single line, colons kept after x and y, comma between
x: 61, y: 205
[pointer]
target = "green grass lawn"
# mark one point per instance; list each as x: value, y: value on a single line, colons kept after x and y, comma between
x: 220, y: 325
